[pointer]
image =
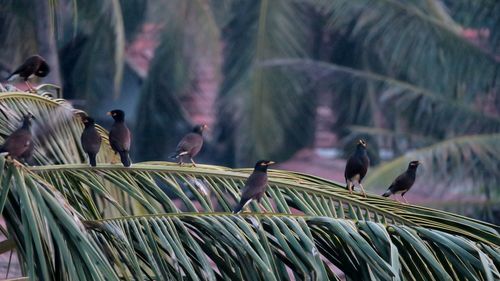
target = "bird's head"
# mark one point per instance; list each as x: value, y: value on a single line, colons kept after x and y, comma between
x: 413, y: 164
x: 27, y: 119
x: 43, y: 69
x: 199, y: 128
x: 117, y: 114
x: 262, y: 165
x: 88, y: 121
x: 361, y: 143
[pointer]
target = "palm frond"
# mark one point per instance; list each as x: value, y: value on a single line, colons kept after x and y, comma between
x: 451, y: 161
x: 253, y: 98
x: 220, y: 246
x: 57, y: 128
x: 414, y: 41
x: 111, y: 190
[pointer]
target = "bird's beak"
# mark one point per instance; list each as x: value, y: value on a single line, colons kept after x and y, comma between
x: 270, y: 163
x: 109, y: 113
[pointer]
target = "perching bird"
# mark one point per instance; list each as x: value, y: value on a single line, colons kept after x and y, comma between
x: 19, y: 144
x: 91, y: 140
x: 403, y: 182
x: 119, y: 136
x: 190, y: 144
x: 255, y: 186
x: 357, y: 166
x: 32, y: 66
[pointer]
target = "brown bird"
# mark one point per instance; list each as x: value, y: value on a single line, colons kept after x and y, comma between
x: 120, y: 137
x: 32, y: 66
x: 190, y: 144
x: 19, y: 144
x: 403, y: 182
x: 255, y: 186
x: 91, y: 140
x: 357, y: 166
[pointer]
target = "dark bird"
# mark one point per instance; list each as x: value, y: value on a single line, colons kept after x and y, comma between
x: 19, y: 145
x: 91, y: 140
x: 403, y: 182
x: 190, y: 144
x: 119, y: 136
x: 255, y: 186
x: 32, y: 66
x: 357, y: 166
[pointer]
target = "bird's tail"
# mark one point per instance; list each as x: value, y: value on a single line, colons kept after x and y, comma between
x: 92, y: 160
x: 125, y: 158
x: 387, y: 193
x: 237, y: 209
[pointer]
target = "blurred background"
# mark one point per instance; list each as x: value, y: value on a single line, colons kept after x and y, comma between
x: 295, y: 81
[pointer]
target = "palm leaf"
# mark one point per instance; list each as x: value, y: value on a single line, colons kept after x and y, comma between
x: 448, y: 162
x: 57, y: 128
x: 168, y: 188
x: 219, y: 246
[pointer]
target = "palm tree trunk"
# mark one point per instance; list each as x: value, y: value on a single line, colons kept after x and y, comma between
x: 46, y: 40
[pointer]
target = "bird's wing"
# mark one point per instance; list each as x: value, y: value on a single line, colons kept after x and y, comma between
x: 18, y: 141
x: 188, y: 142
x: 255, y: 184
x: 402, y: 182
x: 91, y: 140
x: 119, y: 137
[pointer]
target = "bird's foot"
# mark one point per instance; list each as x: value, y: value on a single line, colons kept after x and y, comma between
x: 16, y: 163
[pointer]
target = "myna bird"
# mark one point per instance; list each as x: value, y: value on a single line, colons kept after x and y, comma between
x: 91, y: 140
x: 119, y: 136
x: 19, y: 145
x: 357, y: 166
x: 403, y: 182
x: 190, y: 144
x: 32, y: 66
x: 255, y: 186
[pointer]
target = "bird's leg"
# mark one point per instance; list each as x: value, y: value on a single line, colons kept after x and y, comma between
x: 30, y: 89
x: 403, y: 196
x: 362, y: 190
x: 349, y: 186
x: 192, y: 161
x: 113, y: 159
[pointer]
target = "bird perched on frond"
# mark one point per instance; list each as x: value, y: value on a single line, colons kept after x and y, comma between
x: 403, y: 182
x: 190, y: 145
x: 32, y: 66
x: 356, y: 167
x: 19, y: 145
x: 120, y: 137
x: 90, y: 139
x: 255, y: 186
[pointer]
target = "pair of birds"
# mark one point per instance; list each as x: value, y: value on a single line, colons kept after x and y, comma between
x: 355, y: 170
x: 357, y: 166
x: 120, y: 139
x: 31, y: 67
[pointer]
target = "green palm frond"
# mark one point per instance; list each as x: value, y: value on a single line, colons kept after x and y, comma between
x: 57, y: 127
x: 252, y: 98
x: 111, y: 190
x: 220, y: 245
x: 189, y: 38
x: 451, y: 161
x: 413, y: 40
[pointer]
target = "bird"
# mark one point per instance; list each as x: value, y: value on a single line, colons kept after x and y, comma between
x: 32, y: 66
x: 255, y: 186
x: 90, y: 139
x: 19, y: 145
x: 357, y: 166
x: 120, y: 137
x: 190, y: 144
x: 403, y: 182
